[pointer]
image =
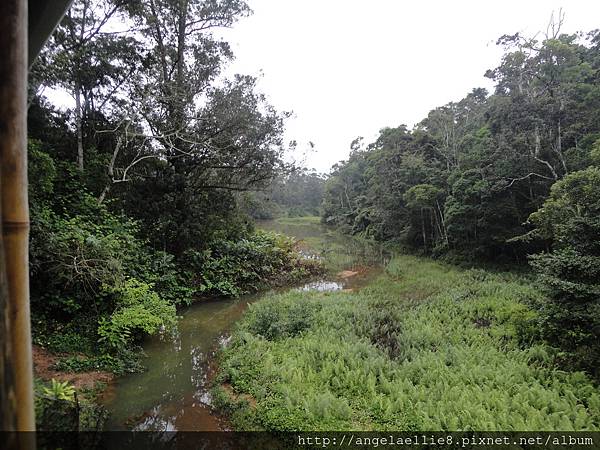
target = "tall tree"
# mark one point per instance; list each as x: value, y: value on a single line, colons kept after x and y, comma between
x: 91, y: 62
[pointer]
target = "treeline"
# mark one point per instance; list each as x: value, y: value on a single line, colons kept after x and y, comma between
x: 499, y: 177
x: 133, y: 191
x: 295, y: 194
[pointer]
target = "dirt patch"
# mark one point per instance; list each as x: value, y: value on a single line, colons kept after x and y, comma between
x: 346, y: 274
x: 354, y: 271
x: 482, y: 322
x: 42, y: 367
x: 236, y: 397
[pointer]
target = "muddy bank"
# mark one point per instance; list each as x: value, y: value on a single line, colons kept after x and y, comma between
x: 43, y: 362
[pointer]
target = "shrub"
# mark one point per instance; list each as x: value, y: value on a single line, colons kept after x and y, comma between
x: 570, y: 219
x: 139, y: 310
x: 232, y: 268
x: 273, y: 319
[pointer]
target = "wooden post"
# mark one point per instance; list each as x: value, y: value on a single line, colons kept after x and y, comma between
x: 14, y: 203
x: 8, y: 402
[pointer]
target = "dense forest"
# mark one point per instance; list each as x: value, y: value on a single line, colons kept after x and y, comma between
x: 503, y: 178
x: 452, y: 270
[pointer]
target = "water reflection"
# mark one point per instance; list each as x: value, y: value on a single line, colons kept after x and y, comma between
x: 173, y: 394
x: 322, y: 286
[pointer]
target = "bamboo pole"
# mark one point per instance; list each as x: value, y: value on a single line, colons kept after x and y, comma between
x: 8, y: 403
x: 14, y: 202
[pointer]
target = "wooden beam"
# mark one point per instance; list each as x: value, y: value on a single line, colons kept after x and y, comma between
x: 14, y: 205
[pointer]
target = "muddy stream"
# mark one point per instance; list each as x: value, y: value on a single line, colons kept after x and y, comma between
x: 173, y: 393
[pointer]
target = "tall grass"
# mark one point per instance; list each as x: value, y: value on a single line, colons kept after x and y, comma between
x: 425, y: 347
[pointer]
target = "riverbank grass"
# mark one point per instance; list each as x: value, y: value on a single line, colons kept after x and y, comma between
x: 426, y: 346
x: 336, y: 251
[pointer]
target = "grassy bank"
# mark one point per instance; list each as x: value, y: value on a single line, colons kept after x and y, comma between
x: 426, y: 346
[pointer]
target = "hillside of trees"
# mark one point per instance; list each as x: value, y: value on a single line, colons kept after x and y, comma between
x: 133, y: 190
x: 505, y: 177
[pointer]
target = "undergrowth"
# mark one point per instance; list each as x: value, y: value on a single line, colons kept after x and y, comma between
x: 425, y: 347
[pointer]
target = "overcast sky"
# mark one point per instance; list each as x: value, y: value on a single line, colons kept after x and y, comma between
x: 347, y: 68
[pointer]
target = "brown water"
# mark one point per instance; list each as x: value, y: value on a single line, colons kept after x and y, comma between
x: 173, y: 394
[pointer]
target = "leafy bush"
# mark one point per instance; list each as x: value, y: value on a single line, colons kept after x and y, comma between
x: 570, y: 219
x: 91, y: 275
x: 232, y: 268
x: 275, y: 319
x: 139, y: 310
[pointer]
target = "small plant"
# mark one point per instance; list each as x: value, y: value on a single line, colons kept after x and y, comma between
x: 60, y: 390
x: 140, y: 310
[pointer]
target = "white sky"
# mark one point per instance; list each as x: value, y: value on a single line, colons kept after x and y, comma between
x: 348, y: 68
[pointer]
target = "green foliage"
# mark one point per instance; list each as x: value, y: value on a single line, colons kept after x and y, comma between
x: 60, y: 390
x: 273, y: 320
x: 139, y: 310
x: 425, y: 347
x: 64, y: 337
x: 91, y: 275
x: 249, y: 264
x: 570, y: 219
x: 595, y: 153
x: 422, y: 196
x: 463, y: 181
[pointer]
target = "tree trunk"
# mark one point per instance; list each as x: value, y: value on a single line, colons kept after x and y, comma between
x: 111, y: 171
x: 561, y: 157
x: 78, y: 125
x: 423, y: 230
x: 17, y: 372
x: 443, y: 221
x: 436, y: 229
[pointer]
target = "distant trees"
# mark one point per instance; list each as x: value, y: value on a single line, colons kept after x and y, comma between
x: 298, y: 193
x: 466, y: 178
